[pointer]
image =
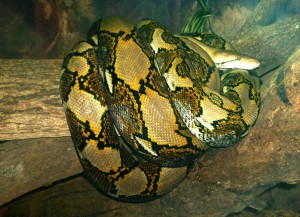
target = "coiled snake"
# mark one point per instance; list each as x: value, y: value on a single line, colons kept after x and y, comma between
x: 143, y: 104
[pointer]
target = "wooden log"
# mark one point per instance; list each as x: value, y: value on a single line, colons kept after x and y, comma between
x: 29, y: 164
x: 30, y: 105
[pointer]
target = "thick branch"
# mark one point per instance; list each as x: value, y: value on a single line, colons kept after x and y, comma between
x: 30, y: 105
x: 26, y: 165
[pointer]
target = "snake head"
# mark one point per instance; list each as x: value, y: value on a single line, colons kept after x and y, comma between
x: 229, y: 59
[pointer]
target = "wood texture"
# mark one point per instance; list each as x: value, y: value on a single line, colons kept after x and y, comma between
x: 29, y: 164
x: 30, y: 105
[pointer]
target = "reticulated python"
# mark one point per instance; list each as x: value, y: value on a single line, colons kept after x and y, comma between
x: 143, y: 104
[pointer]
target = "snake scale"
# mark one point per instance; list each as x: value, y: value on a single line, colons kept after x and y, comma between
x: 142, y: 104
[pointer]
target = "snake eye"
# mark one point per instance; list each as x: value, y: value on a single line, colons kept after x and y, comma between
x: 197, y: 123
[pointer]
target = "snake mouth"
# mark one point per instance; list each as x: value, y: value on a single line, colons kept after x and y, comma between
x: 228, y: 59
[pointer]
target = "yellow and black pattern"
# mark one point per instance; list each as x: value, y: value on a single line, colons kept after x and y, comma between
x: 143, y: 104
x: 107, y: 159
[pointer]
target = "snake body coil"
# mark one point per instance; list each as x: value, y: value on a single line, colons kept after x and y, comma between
x: 143, y: 104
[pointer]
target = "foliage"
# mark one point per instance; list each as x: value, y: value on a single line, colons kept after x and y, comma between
x: 198, y: 22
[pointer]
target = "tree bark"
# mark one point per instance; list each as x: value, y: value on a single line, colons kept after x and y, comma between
x: 26, y: 165
x: 30, y: 105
